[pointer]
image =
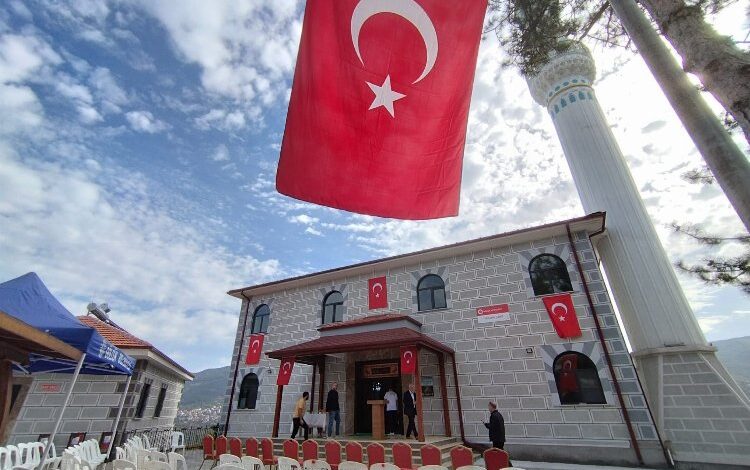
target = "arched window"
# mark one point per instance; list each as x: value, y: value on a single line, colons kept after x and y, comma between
x: 549, y: 275
x: 333, y: 307
x: 431, y: 293
x: 248, y: 392
x: 261, y: 318
x: 577, y: 379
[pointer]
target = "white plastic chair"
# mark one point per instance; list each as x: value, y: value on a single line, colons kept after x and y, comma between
x: 471, y: 467
x: 285, y: 463
x: 155, y: 465
x: 147, y: 443
x: 177, y: 461
x: 230, y: 458
x: 228, y: 466
x: 384, y: 466
x: 121, y: 464
x: 430, y: 467
x: 178, y: 441
x: 349, y: 465
x: 254, y: 463
x: 315, y: 464
x: 159, y: 456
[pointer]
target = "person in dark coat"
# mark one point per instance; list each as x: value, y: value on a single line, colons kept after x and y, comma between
x: 496, y: 427
x: 410, y: 410
x: 333, y: 409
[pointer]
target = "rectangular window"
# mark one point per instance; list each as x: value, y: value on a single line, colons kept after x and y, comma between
x: 160, y: 401
x: 142, y: 401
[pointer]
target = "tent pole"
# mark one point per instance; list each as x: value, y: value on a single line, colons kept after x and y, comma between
x: 62, y: 411
x: 119, y: 413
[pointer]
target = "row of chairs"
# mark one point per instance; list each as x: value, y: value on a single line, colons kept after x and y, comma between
x: 461, y: 456
x: 26, y: 456
x: 232, y: 462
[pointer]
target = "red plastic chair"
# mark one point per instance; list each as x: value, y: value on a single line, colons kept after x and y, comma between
x: 431, y: 455
x: 251, y: 447
x: 402, y: 456
x: 333, y: 453
x: 266, y: 446
x: 309, y: 450
x: 235, y: 447
x: 495, y: 459
x: 375, y: 454
x: 221, y: 445
x: 353, y: 451
x: 291, y: 449
x: 208, y: 449
x: 461, y: 456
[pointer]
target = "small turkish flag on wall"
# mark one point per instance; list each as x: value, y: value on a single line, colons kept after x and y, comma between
x: 285, y: 371
x: 563, y: 315
x: 408, y: 359
x: 254, y: 348
x: 379, y: 105
x: 378, y: 297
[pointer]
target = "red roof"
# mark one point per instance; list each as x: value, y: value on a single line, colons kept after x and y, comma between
x: 369, y: 320
x: 369, y: 340
x: 122, y: 339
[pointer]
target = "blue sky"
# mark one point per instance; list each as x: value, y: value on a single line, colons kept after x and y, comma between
x: 138, y: 146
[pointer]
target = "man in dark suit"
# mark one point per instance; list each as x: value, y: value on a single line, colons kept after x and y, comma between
x: 496, y: 427
x: 410, y: 410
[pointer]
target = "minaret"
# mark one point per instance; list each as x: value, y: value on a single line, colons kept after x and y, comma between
x: 675, y: 363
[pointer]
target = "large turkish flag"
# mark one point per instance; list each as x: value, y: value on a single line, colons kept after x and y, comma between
x: 563, y: 315
x: 285, y: 371
x: 254, y: 348
x: 378, y: 293
x: 409, y: 359
x: 379, y: 105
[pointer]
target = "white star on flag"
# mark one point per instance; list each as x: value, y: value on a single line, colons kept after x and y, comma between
x: 562, y: 317
x: 384, y: 95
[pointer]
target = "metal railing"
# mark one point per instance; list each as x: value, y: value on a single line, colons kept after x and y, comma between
x: 161, y: 438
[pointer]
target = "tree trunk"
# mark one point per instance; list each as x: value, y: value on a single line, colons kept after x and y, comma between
x: 718, y: 63
x: 726, y: 161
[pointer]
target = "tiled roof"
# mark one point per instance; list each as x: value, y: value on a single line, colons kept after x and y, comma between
x: 369, y: 320
x: 115, y: 335
x: 369, y: 340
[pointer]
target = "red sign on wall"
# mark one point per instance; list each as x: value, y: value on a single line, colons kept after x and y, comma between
x: 50, y: 388
x: 492, y: 313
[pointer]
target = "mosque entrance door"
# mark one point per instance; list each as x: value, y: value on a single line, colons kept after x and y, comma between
x: 373, y: 379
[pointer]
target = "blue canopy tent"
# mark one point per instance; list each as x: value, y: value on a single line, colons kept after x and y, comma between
x: 28, y: 300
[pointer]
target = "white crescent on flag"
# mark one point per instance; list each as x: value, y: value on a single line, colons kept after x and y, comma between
x: 554, y: 307
x: 408, y: 356
x: 377, y: 291
x: 255, y: 345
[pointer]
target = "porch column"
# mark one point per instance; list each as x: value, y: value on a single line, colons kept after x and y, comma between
x: 277, y: 412
x: 444, y: 394
x: 418, y: 387
x: 322, y: 366
x: 458, y: 399
x: 312, y: 387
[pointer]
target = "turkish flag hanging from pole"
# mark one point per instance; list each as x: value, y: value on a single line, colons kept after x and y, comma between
x: 379, y: 105
x: 378, y: 293
x: 285, y: 371
x: 409, y: 356
x: 254, y: 348
x: 563, y: 315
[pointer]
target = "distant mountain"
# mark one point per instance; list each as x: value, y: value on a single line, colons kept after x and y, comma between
x: 734, y: 354
x: 206, y: 389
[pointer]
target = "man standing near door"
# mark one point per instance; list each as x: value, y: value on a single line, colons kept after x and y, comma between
x: 410, y: 410
x: 391, y: 410
x: 333, y: 410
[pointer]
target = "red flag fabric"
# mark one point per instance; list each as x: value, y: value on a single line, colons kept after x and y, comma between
x: 378, y: 293
x: 285, y: 371
x: 408, y: 359
x: 254, y: 348
x: 379, y: 105
x: 563, y: 315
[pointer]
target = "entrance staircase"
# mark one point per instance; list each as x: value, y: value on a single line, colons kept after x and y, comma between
x: 445, y: 444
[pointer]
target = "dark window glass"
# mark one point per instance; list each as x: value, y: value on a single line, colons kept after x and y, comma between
x: 248, y: 392
x: 431, y: 293
x: 333, y: 307
x: 160, y: 402
x: 577, y: 380
x: 549, y: 275
x: 142, y: 401
x: 261, y: 319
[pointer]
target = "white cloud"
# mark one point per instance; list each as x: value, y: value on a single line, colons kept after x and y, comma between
x: 221, y: 154
x: 144, y: 121
x: 222, y: 120
x: 22, y: 56
x: 313, y: 231
x: 19, y: 109
x: 303, y: 219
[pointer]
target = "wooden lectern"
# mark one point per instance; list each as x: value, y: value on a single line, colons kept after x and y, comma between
x: 378, y: 419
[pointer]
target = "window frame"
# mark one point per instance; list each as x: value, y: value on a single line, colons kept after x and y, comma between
x: 591, y: 371
x: 160, y: 401
x: 561, y: 268
x: 263, y: 327
x: 432, y: 291
x: 143, y: 397
x: 246, y: 393
x: 338, y: 307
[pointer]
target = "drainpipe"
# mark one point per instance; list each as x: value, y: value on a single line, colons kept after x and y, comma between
x: 600, y: 333
x: 237, y: 365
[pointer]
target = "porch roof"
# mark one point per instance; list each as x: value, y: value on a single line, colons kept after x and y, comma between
x: 382, y: 339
